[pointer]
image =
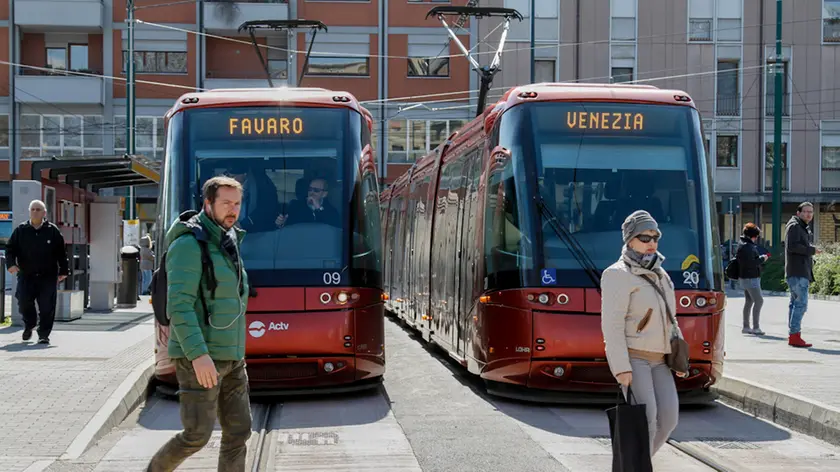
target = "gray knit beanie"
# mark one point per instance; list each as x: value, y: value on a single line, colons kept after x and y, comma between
x: 636, y: 223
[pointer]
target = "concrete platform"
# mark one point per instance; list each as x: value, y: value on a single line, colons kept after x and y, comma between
x: 59, y: 399
x: 793, y: 387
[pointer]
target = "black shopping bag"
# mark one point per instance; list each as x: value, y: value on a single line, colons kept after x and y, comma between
x: 629, y: 435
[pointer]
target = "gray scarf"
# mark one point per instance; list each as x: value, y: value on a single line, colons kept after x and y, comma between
x: 645, y: 261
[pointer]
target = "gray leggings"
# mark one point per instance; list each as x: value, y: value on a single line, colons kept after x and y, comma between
x: 754, y: 299
x: 653, y: 386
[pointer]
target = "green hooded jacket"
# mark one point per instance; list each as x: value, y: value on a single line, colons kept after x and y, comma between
x: 190, y: 336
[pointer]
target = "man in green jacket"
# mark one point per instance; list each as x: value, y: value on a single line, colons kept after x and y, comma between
x: 208, y: 352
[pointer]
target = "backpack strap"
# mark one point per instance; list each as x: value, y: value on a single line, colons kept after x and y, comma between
x: 207, y: 263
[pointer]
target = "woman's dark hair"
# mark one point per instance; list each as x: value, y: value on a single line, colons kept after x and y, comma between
x: 751, y: 230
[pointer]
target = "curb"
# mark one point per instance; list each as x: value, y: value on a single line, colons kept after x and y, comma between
x: 119, y: 405
x: 735, y: 293
x: 792, y: 411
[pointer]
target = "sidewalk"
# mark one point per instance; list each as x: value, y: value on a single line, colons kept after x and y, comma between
x: 797, y: 388
x: 59, y: 399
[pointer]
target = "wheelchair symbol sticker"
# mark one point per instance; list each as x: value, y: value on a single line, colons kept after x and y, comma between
x: 549, y: 276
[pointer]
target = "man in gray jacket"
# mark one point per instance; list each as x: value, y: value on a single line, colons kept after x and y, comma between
x: 799, y: 268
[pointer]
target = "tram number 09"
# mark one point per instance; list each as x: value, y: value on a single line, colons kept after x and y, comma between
x: 332, y: 278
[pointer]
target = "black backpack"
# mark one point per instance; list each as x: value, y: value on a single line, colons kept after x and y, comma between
x: 733, y: 269
x: 159, y: 284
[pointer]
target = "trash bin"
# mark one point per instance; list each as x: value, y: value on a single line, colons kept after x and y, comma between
x: 130, y: 260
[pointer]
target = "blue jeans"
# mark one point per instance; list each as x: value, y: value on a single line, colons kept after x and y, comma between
x: 798, y: 302
x: 146, y: 280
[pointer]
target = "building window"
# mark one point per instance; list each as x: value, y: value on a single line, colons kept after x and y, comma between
x: 348, y: 66
x: 623, y: 26
x: 830, y: 180
x: 408, y: 140
x: 700, y: 29
x: 73, y: 57
x: 60, y: 135
x: 544, y: 70
x: 831, y: 21
x: 4, y: 131
x: 157, y: 62
x: 729, y: 14
x: 149, y: 136
x: 727, y: 151
x: 728, y: 99
x: 546, y: 25
x: 770, y: 105
x: 768, y: 166
x: 621, y: 74
x: 428, y: 67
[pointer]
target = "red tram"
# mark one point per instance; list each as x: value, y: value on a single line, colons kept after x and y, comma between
x: 315, y: 317
x: 494, y: 242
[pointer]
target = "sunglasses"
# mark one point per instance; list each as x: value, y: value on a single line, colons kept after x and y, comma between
x: 646, y: 238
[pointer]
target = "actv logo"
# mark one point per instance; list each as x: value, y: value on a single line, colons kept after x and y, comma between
x: 257, y: 328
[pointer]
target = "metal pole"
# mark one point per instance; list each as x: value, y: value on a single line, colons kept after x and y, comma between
x: 130, y: 119
x: 3, y: 287
x: 533, y: 58
x: 777, y: 137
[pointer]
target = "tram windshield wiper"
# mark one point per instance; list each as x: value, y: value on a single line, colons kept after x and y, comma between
x: 572, y: 243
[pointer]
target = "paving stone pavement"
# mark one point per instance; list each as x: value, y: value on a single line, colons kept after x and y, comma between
x: 813, y: 373
x: 50, y: 393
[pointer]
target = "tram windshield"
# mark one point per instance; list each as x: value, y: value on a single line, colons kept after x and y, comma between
x: 311, y: 217
x: 594, y: 164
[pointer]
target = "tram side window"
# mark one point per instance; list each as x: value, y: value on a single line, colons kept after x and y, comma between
x: 503, y: 244
x: 367, y: 240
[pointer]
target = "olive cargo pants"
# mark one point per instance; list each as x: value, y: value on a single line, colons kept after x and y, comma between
x: 199, y: 408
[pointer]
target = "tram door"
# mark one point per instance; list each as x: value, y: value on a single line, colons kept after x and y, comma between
x: 466, y: 253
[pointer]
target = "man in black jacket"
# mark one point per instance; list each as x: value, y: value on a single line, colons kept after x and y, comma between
x: 799, y: 268
x: 36, y: 254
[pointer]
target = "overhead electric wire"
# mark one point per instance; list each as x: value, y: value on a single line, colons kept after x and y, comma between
x: 542, y: 46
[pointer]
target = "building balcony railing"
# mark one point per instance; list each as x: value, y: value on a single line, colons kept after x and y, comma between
x: 728, y: 105
x: 79, y: 14
x: 223, y: 16
x: 58, y: 87
x: 57, y: 72
x: 830, y: 179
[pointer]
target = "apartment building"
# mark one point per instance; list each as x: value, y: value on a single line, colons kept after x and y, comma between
x: 718, y: 51
x: 374, y: 49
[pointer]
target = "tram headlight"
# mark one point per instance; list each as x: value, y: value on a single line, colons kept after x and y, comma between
x: 543, y: 298
x: 559, y: 371
x: 342, y: 297
x: 328, y: 367
x: 700, y: 302
x: 325, y: 298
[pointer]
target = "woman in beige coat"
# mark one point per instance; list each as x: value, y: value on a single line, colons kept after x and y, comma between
x: 637, y: 328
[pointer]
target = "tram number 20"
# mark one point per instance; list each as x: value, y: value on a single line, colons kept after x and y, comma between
x: 691, y: 278
x: 332, y: 278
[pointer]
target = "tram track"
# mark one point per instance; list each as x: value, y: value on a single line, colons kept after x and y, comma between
x: 261, y: 447
x: 700, y: 456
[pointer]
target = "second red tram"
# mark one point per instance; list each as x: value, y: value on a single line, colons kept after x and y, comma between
x: 495, y: 241
x: 315, y: 317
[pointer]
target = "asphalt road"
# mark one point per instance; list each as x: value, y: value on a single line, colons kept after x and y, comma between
x: 429, y: 417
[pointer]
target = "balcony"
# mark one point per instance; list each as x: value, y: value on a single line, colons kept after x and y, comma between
x: 66, y: 15
x: 728, y: 105
x: 39, y: 87
x: 218, y: 17
x: 246, y: 79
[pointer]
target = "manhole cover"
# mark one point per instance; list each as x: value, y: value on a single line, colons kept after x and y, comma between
x: 327, y: 438
x: 726, y: 443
